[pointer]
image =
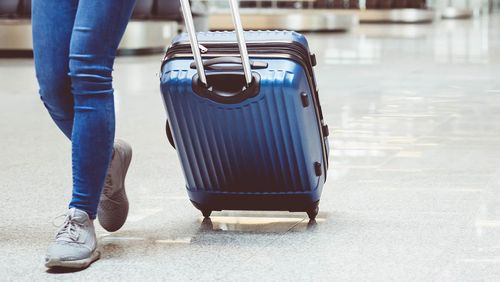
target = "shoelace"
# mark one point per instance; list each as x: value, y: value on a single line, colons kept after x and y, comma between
x: 108, y: 182
x: 108, y: 185
x: 70, y: 229
x: 106, y: 192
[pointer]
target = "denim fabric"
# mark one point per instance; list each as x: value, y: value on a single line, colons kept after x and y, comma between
x: 75, y: 42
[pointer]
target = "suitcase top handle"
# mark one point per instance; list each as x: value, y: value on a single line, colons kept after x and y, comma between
x: 188, y: 20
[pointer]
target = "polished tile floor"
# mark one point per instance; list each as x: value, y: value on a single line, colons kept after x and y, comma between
x: 413, y: 190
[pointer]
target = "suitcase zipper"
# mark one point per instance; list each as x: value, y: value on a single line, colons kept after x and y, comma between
x: 294, y: 50
x: 290, y: 50
x: 210, y: 48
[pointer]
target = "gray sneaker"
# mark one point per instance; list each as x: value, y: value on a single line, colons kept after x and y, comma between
x: 113, y: 205
x: 75, y: 242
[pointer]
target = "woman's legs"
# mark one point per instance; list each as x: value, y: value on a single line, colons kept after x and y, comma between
x: 75, y: 42
x: 52, y: 22
x: 98, y: 29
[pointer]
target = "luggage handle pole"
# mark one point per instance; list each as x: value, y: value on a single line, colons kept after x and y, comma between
x: 188, y: 20
x: 238, y: 29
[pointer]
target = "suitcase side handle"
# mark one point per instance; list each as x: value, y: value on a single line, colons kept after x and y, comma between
x: 188, y: 20
x: 231, y: 63
x: 227, y: 87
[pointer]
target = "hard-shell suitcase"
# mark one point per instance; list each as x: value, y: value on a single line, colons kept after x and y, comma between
x: 372, y: 4
x: 386, y: 4
x: 143, y: 9
x: 400, y: 4
x: 167, y: 10
x: 8, y: 8
x: 353, y: 4
x: 171, y: 9
x: 249, y: 133
x: 25, y: 8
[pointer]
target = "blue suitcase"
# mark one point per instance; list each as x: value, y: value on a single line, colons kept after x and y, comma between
x: 260, y: 145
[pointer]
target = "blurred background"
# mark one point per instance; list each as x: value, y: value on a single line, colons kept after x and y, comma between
x: 410, y: 90
x: 154, y: 22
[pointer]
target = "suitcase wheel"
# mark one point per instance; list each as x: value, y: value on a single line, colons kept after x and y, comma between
x: 204, y: 210
x: 313, y: 211
x: 206, y: 213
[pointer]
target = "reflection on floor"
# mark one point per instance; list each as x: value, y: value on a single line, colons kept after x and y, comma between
x: 413, y: 190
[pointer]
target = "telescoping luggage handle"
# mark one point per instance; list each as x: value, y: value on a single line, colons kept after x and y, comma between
x: 188, y: 20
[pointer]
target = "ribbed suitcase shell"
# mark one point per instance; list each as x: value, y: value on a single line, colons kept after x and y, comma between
x: 257, y: 154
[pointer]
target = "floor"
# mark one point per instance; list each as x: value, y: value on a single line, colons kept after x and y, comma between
x: 413, y: 192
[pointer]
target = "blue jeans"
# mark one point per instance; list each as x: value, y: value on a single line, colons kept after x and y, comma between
x: 75, y: 43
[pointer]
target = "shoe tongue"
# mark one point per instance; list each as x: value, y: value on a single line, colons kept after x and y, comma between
x: 78, y: 215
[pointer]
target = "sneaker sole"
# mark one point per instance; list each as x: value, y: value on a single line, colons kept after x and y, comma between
x: 83, y: 263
